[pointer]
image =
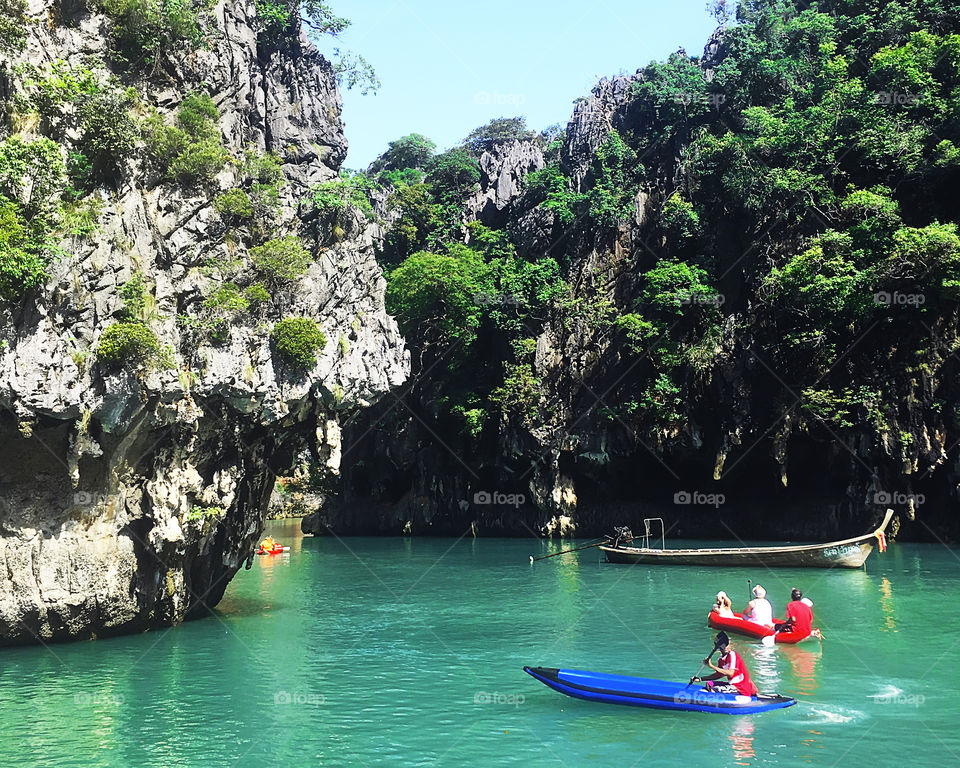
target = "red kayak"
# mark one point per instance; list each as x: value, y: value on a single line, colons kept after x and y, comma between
x: 275, y: 549
x: 741, y: 626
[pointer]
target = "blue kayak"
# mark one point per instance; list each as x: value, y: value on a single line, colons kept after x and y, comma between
x: 661, y: 694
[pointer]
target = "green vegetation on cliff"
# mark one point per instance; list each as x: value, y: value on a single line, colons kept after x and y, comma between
x: 764, y: 246
x: 296, y: 341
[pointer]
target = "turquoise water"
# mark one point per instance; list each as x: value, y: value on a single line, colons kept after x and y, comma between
x: 409, y: 652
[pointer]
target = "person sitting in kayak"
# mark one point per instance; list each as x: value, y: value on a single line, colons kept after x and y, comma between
x: 730, y: 665
x: 723, y: 607
x: 759, y: 609
x: 799, y: 615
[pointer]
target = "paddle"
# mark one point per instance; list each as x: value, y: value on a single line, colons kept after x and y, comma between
x: 721, y: 639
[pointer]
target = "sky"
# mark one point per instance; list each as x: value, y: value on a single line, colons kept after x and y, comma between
x: 449, y: 67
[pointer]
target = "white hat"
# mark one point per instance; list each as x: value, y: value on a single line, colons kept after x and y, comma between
x: 720, y: 594
x: 759, y: 591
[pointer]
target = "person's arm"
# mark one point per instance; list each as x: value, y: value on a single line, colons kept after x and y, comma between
x: 703, y: 679
x: 720, y: 671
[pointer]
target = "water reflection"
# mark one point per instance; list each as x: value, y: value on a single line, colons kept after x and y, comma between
x: 741, y: 737
x: 804, y: 663
x: 764, y: 670
x: 886, y: 604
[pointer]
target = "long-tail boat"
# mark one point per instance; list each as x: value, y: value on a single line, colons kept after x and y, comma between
x: 848, y: 553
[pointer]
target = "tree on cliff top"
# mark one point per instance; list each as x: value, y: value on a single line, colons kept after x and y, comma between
x: 411, y: 151
x: 498, y: 131
x: 276, y: 21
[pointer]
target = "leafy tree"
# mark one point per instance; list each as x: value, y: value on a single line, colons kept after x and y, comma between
x: 276, y: 24
x: 89, y: 113
x: 13, y: 25
x: 453, y: 174
x: 520, y: 392
x: 420, y: 218
x: 672, y: 97
x: 31, y: 173
x: 500, y: 130
x: 435, y: 296
x: 826, y: 282
x: 31, y: 180
x: 333, y: 199
x: 613, y: 173
x: 192, y: 150
x: 234, y: 204
x: 281, y: 260
x: 411, y: 151
x: 679, y: 219
x: 551, y: 190
x: 23, y: 257
x: 145, y: 31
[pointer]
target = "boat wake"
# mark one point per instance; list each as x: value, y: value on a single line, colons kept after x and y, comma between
x: 828, y: 716
x: 887, y: 692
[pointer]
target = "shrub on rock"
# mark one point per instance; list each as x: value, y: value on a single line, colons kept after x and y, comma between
x: 296, y: 341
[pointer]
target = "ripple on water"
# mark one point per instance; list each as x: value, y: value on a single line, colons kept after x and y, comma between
x: 828, y: 715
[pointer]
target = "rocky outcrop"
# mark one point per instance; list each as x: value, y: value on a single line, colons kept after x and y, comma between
x: 593, y: 119
x: 502, y: 171
x: 129, y: 499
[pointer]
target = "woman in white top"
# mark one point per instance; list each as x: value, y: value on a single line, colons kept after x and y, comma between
x: 759, y: 609
x: 723, y: 606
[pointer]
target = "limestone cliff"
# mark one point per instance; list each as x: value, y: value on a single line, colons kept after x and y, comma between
x: 129, y: 497
x: 816, y: 453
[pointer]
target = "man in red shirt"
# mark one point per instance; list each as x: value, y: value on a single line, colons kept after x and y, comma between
x: 799, y: 615
x: 731, y: 666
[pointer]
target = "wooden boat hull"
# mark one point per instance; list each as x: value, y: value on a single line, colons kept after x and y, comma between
x: 835, y: 555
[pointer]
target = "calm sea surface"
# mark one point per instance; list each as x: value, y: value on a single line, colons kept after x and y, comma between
x: 409, y: 652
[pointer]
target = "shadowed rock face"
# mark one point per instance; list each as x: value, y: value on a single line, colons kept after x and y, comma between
x: 129, y: 499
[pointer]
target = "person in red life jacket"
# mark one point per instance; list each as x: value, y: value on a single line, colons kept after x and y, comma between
x: 730, y: 665
x: 799, y: 615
